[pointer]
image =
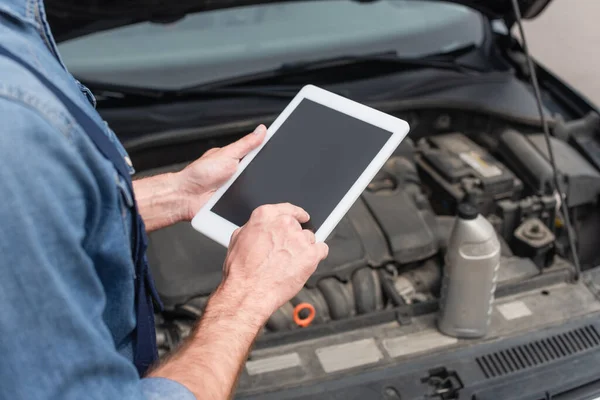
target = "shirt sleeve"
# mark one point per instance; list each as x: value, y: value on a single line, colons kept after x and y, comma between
x: 54, y: 343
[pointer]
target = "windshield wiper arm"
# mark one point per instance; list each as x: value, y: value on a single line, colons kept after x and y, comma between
x: 439, y: 62
x: 445, y: 61
x: 242, y: 85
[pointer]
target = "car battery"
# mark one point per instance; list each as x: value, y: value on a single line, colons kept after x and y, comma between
x: 454, y: 168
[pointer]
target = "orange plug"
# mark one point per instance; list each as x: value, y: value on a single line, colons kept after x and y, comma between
x: 304, y: 322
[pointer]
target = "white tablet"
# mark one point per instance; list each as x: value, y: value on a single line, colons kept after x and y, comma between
x: 319, y: 154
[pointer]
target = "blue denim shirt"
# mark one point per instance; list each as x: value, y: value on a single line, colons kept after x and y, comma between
x: 66, y: 270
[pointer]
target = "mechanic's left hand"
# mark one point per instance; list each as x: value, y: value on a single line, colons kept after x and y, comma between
x: 199, y: 180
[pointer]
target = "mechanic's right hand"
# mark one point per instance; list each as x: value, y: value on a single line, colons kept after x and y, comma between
x: 271, y: 258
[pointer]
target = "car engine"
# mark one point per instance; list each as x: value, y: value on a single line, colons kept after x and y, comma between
x: 388, y: 251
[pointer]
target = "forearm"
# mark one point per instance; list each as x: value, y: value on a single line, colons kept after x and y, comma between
x: 159, y: 201
x: 211, y: 360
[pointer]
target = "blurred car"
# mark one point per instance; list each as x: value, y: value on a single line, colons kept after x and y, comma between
x: 176, y: 78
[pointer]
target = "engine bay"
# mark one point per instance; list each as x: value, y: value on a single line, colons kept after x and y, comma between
x: 386, y: 256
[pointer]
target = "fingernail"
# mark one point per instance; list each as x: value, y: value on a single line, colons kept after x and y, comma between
x: 260, y: 129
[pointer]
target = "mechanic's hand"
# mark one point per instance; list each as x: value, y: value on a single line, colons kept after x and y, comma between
x: 199, y: 180
x: 271, y: 258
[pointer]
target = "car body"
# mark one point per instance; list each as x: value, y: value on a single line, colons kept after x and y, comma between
x: 175, y: 80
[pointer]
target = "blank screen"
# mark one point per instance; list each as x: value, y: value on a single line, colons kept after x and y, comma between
x: 312, y: 161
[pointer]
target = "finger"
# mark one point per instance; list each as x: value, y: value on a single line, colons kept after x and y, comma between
x: 290, y: 223
x: 246, y: 144
x: 290, y: 209
x: 234, y: 234
x: 309, y: 236
x: 323, y: 250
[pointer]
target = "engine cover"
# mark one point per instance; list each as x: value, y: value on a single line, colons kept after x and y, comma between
x: 186, y: 264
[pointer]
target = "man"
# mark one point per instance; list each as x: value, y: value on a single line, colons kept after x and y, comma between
x: 72, y: 276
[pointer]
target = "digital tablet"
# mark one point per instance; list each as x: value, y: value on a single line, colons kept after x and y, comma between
x: 319, y: 154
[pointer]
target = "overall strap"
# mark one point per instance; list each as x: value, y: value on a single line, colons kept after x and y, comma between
x: 145, y: 351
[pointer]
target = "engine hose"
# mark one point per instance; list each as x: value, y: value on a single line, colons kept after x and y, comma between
x: 184, y: 329
x: 281, y: 319
x: 161, y: 337
x: 390, y: 292
x: 338, y: 296
x: 367, y: 291
x: 426, y: 278
x: 167, y: 337
x: 405, y: 169
x: 413, y: 285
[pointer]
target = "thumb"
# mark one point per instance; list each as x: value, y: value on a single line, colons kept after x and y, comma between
x: 246, y: 144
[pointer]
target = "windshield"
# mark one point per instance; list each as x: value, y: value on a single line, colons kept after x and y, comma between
x: 212, y: 46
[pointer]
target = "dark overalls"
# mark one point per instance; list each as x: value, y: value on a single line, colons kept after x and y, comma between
x: 144, y: 351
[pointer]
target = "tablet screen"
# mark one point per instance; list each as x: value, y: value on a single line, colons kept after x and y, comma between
x: 312, y: 161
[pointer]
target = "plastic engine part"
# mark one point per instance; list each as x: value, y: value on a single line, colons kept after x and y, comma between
x: 534, y: 240
x: 425, y: 278
x: 355, y: 243
x: 184, y: 263
x: 582, y: 179
x: 512, y: 213
x: 193, y: 308
x: 403, y: 212
x: 583, y: 134
x: 416, y: 283
x: 339, y: 298
x: 528, y: 156
x: 367, y: 291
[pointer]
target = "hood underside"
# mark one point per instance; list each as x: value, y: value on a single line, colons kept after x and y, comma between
x: 73, y: 18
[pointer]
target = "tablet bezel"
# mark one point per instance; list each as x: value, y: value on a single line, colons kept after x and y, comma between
x: 220, y: 229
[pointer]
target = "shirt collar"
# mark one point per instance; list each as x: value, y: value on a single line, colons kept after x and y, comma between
x: 34, y: 13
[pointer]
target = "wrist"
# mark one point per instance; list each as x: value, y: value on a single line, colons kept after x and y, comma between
x: 235, y: 303
x: 180, y: 197
x: 160, y: 201
x: 172, y: 197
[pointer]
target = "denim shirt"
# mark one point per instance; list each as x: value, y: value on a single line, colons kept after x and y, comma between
x: 66, y: 269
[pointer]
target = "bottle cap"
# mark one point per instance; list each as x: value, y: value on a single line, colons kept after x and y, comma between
x: 467, y: 211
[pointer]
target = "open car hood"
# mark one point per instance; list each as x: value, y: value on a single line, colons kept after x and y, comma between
x: 73, y: 18
x: 504, y: 9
